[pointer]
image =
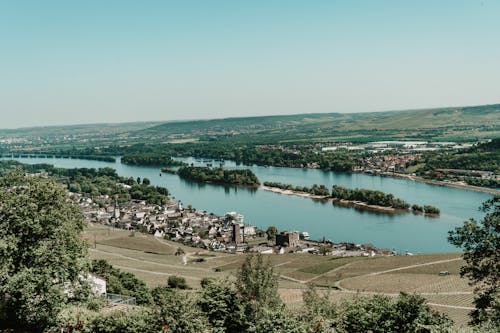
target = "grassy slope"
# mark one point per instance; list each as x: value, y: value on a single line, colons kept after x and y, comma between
x: 50, y: 131
x: 473, y: 121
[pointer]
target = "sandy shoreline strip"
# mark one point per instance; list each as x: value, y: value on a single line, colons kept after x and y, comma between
x: 443, y: 183
x: 290, y: 192
x: 456, y: 185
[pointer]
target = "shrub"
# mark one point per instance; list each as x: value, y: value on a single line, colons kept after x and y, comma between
x: 177, y: 282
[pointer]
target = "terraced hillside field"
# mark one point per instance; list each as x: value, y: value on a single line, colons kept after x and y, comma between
x: 153, y: 260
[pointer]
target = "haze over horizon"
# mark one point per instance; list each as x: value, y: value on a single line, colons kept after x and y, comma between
x: 125, y: 61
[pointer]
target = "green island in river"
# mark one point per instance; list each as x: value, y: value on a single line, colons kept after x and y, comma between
x: 219, y: 176
x: 359, y: 198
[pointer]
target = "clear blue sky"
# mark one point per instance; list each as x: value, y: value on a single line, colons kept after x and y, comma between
x: 66, y: 62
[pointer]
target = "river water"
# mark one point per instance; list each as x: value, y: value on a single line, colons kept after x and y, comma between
x: 402, y: 232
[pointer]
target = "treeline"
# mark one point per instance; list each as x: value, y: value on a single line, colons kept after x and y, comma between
x: 483, y: 157
x: 219, y: 176
x: 152, y: 159
x: 100, y: 158
x: 315, y: 189
x: 242, y: 153
x: 370, y: 197
x: 427, y: 209
x: 96, y: 182
x: 343, y: 162
x: 483, y: 182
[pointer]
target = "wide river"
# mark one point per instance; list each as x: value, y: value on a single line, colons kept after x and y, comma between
x: 406, y: 232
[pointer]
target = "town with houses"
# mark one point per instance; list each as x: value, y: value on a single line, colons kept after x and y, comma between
x: 196, y: 228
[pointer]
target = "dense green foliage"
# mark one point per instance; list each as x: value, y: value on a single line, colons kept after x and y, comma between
x: 122, y: 283
x: 368, y: 196
x: 177, y: 282
x: 480, y: 241
x: 95, y: 182
x: 102, y: 158
x: 257, y: 284
x: 219, y: 176
x: 481, y: 157
x: 132, y: 321
x: 314, y: 190
x: 482, y: 182
x: 251, y: 304
x: 41, y: 253
x: 406, y: 313
x: 180, y: 313
x: 417, y: 208
x: 154, y: 159
x: 271, y: 232
x: 428, y: 209
x: 383, y: 314
x: 219, y: 301
x: 247, y: 153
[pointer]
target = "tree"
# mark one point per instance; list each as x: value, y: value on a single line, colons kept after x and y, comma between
x: 481, y: 244
x: 179, y: 251
x: 179, y: 311
x: 41, y: 253
x: 257, y: 286
x: 382, y: 314
x: 271, y: 232
x: 132, y: 321
x: 177, y: 282
x: 251, y: 304
x: 320, y: 311
x: 220, y: 303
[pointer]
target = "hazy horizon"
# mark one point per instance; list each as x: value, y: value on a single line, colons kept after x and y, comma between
x: 75, y: 63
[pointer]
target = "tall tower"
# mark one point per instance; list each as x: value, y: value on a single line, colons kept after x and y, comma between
x: 236, y: 236
x: 116, y: 210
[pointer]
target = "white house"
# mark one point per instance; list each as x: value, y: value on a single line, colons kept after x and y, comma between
x: 97, y: 284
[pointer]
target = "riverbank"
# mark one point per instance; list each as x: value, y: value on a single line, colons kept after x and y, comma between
x: 340, y: 202
x: 444, y: 183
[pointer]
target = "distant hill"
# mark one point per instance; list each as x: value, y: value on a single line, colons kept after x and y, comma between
x: 441, y: 123
x: 93, y: 129
x: 446, y: 124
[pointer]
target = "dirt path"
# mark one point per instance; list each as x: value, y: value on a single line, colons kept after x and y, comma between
x: 338, y: 285
x: 282, y: 264
x: 343, y: 290
x: 412, y: 266
x: 451, y: 306
x: 181, y: 266
x: 330, y: 271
